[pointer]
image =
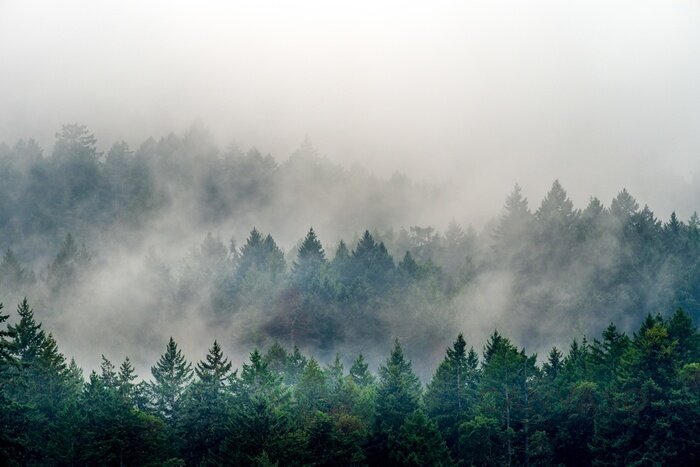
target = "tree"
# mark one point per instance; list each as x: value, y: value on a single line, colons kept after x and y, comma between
x: 505, y: 386
x: 13, y: 416
x: 419, y: 443
x: 171, y: 375
x: 451, y: 396
x: 648, y: 417
x: 12, y: 274
x: 312, y: 390
x: 68, y: 264
x: 260, y: 423
x: 398, y: 391
x: 606, y: 355
x: 359, y: 372
x: 216, y: 369
x: 206, y: 409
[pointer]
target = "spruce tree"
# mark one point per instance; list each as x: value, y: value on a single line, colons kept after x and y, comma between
x: 308, y: 269
x: 171, y: 375
x: 359, y: 372
x: 215, y: 370
x: 418, y: 443
x: 450, y: 397
x: 398, y: 391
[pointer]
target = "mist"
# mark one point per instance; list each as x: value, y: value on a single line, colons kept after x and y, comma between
x: 471, y: 95
x: 457, y: 102
x: 374, y: 233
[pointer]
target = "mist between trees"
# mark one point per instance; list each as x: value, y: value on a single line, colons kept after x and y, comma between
x: 619, y: 400
x: 120, y: 250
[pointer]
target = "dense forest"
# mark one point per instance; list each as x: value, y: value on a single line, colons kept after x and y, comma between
x: 120, y: 250
x: 617, y: 400
x: 172, y: 239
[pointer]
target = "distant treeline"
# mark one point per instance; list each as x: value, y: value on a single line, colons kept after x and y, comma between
x: 536, y: 273
x: 619, y: 400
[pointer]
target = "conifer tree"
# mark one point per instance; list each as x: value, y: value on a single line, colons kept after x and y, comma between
x: 125, y: 381
x: 28, y: 338
x: 171, y: 375
x: 359, y: 372
x: 418, y: 442
x: 276, y: 358
x: 398, y: 391
x: 312, y: 390
x: 451, y: 396
x: 308, y: 269
x: 215, y: 370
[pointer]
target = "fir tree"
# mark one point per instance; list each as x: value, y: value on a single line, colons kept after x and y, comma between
x: 450, y: 397
x: 215, y: 370
x: 171, y: 375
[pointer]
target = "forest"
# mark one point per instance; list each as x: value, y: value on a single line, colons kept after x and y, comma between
x: 615, y: 400
x: 553, y: 335
x: 181, y: 238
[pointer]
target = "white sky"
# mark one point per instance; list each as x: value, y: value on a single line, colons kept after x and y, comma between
x: 478, y: 94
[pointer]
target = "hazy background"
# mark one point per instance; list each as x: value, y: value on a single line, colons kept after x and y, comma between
x: 474, y: 94
x: 469, y: 97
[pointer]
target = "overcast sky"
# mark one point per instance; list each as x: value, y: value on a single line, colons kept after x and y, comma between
x: 472, y: 94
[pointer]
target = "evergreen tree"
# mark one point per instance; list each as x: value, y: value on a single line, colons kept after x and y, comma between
x: 312, y: 390
x: 260, y: 423
x: 419, y: 443
x: 398, y: 391
x: 359, y: 372
x: 28, y: 337
x: 68, y: 264
x: 206, y: 410
x: 171, y: 375
x: 215, y: 370
x: 309, y: 268
x: 451, y: 396
x: 12, y: 274
x: 125, y: 382
x: 505, y: 387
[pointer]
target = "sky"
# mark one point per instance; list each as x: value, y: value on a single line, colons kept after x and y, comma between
x: 470, y: 95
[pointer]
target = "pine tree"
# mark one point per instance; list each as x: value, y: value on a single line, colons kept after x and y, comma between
x: 68, y: 264
x: 648, y: 418
x: 215, y: 370
x: 108, y: 374
x: 312, y: 390
x: 125, y: 382
x: 398, y: 391
x: 12, y: 274
x: 206, y: 409
x: 171, y: 375
x: 451, y: 395
x: 308, y: 269
x: 28, y: 337
x: 296, y: 362
x: 553, y: 365
x: 418, y: 443
x: 359, y: 372
x: 607, y: 355
x: 276, y: 358
x: 505, y: 387
x: 260, y: 422
x: 13, y: 416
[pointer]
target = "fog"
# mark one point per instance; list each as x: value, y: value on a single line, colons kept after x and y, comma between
x: 475, y: 94
x: 462, y: 99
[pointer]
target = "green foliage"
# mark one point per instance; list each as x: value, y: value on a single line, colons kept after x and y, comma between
x: 171, y: 375
x: 617, y: 401
x: 418, y: 442
x: 451, y: 396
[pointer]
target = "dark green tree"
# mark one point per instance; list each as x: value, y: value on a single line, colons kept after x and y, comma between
x: 451, y: 396
x: 171, y: 375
